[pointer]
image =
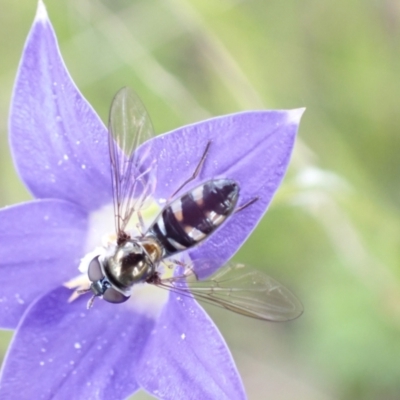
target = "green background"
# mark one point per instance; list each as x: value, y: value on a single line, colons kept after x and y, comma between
x: 332, y: 231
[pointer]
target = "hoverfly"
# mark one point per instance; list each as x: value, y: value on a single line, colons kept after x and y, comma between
x: 184, y: 222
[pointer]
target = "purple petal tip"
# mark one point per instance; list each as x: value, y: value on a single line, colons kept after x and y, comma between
x: 295, y: 115
x: 41, y: 12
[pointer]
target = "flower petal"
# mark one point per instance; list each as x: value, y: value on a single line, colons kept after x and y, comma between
x: 58, y: 141
x: 41, y: 243
x: 252, y: 148
x: 187, y: 358
x: 63, y: 351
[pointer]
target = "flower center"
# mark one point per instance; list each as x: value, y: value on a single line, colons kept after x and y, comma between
x: 101, y: 241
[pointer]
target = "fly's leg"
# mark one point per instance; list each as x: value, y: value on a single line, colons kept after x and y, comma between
x: 195, y: 173
x: 140, y: 225
x: 177, y: 262
x: 249, y: 203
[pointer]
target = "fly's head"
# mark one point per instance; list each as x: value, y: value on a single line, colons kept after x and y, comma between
x: 113, y: 276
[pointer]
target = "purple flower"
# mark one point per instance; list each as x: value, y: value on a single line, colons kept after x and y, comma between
x: 61, y: 350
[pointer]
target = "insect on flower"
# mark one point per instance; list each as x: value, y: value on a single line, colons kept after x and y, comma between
x: 165, y: 344
x: 185, y: 221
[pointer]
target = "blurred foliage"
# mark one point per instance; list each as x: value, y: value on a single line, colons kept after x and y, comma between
x: 332, y: 232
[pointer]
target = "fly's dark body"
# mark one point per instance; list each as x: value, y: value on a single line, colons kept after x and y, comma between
x: 191, y: 218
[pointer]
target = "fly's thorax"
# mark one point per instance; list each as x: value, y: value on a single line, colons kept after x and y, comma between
x: 153, y: 248
x: 134, y: 261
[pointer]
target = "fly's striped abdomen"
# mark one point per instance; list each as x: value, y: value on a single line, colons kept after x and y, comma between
x: 191, y: 218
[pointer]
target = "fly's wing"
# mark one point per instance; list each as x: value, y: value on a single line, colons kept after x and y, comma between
x: 241, y: 289
x: 133, y: 170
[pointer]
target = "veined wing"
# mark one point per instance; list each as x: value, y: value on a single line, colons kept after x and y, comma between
x: 132, y: 168
x: 241, y: 289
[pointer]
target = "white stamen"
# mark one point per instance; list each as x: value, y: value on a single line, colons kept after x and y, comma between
x: 100, y: 223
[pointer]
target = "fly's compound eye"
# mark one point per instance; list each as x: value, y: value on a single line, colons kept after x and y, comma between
x: 101, y: 286
x: 114, y: 296
x: 94, y: 271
